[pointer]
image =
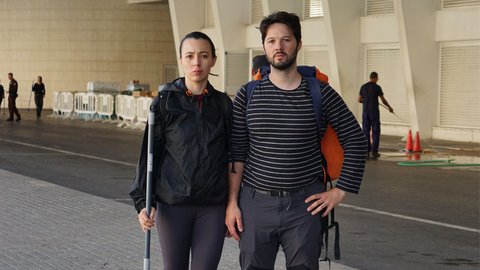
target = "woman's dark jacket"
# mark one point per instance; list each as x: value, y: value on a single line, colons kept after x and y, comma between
x: 39, y: 89
x: 190, y: 151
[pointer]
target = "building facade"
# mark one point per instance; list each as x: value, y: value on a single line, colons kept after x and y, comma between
x: 427, y: 53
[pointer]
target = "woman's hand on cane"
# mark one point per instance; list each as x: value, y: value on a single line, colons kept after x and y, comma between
x: 145, y: 221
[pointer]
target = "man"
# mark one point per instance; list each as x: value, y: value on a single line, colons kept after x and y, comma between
x: 2, y: 94
x: 369, y: 94
x: 276, y: 190
x: 258, y: 62
x: 12, y: 96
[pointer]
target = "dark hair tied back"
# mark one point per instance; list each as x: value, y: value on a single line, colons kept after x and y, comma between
x: 198, y: 35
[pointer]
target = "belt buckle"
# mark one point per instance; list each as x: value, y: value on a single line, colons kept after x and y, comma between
x: 276, y: 193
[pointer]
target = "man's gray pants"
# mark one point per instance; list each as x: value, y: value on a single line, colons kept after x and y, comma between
x: 271, y: 221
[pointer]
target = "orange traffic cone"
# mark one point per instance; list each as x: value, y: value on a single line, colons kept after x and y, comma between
x: 416, y: 147
x: 409, y: 146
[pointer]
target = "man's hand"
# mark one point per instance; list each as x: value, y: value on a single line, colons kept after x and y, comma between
x: 145, y: 221
x: 233, y: 220
x: 326, y: 200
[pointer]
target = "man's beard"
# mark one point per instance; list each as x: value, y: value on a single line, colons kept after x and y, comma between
x: 285, y: 64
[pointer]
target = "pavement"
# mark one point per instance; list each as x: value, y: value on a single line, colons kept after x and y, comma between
x: 60, y: 228
x: 63, y: 203
x: 44, y: 225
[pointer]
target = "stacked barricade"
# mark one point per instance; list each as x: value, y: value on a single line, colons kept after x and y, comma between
x: 103, y: 87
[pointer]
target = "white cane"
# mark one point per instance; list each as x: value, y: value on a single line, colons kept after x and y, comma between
x: 151, y: 119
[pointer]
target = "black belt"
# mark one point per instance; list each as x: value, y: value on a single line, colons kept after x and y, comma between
x: 276, y: 193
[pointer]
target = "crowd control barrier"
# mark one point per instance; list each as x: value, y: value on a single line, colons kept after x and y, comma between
x: 142, y: 110
x: 85, y: 106
x: 105, y: 108
x: 118, y: 109
x: 55, y: 105
x: 66, y: 104
x: 129, y: 111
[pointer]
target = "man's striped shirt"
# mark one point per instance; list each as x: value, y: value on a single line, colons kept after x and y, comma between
x: 280, y: 147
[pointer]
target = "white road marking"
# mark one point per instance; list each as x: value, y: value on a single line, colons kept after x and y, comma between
x: 70, y: 153
x: 411, y: 218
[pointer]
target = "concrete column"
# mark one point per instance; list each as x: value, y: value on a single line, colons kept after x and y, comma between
x: 420, y: 54
x: 342, y: 25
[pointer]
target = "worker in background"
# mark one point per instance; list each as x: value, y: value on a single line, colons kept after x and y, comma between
x: 369, y: 94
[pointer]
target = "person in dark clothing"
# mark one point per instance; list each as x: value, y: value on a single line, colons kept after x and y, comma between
x: 12, y: 96
x: 369, y: 94
x: 192, y: 127
x: 276, y: 190
x: 259, y: 61
x: 2, y: 95
x: 39, y: 90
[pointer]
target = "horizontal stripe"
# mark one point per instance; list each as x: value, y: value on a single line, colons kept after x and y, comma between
x: 280, y: 146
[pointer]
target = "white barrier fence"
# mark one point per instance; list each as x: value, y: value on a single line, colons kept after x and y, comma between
x: 129, y: 111
x: 55, y: 105
x: 105, y: 107
x: 85, y: 106
x: 143, y: 108
x: 65, y: 104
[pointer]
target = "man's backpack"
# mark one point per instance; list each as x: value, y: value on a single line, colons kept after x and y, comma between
x: 332, y: 152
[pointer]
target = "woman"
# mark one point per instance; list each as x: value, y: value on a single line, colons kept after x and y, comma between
x: 192, y: 123
x: 39, y: 89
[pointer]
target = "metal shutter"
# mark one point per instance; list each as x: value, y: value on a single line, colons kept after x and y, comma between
x: 375, y: 7
x: 312, y: 9
x: 209, y: 19
x: 257, y: 52
x: 386, y: 61
x: 236, y: 71
x: 256, y: 11
x: 170, y: 73
x: 460, y: 3
x: 460, y: 85
x: 318, y: 58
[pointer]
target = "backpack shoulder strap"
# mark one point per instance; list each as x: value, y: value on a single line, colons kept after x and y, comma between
x: 316, y: 93
x: 307, y: 71
x: 250, y: 88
